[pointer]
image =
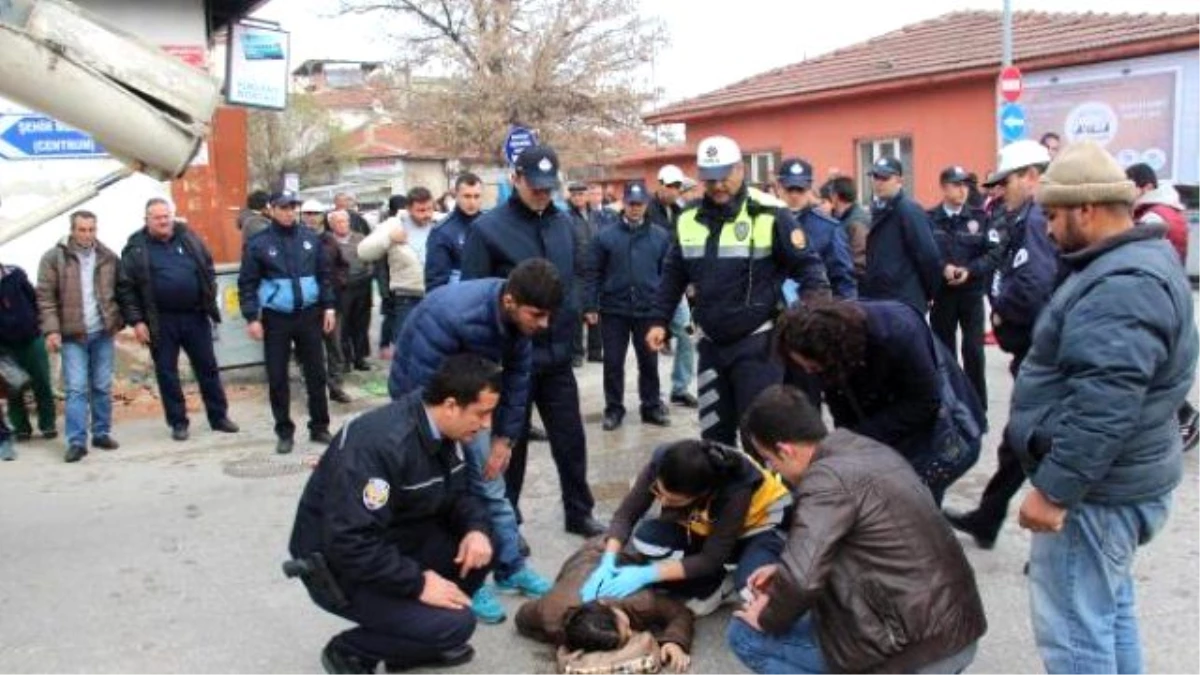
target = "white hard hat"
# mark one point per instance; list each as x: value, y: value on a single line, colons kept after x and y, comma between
x: 716, y: 156
x: 1017, y: 156
x: 312, y: 206
x: 670, y: 174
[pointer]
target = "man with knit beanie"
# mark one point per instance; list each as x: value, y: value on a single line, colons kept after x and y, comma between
x: 1093, y: 413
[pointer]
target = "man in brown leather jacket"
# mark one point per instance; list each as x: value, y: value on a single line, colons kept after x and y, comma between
x: 872, y: 578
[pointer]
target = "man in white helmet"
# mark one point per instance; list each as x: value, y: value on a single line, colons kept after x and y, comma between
x: 735, y: 247
x: 1024, y: 280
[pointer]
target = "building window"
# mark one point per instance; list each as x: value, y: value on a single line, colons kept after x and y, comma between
x: 760, y: 167
x: 871, y: 151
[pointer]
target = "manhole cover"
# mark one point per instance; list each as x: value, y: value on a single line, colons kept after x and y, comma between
x: 264, y: 466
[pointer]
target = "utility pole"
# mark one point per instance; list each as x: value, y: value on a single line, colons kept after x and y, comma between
x: 1007, y: 57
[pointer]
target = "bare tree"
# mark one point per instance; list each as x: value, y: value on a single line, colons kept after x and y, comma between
x: 303, y: 139
x: 567, y: 68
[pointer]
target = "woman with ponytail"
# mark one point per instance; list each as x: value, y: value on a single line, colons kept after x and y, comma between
x: 717, y: 506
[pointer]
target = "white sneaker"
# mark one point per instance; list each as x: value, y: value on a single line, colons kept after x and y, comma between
x: 705, y: 606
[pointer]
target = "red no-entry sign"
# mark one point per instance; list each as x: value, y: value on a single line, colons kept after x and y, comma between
x: 1011, y: 84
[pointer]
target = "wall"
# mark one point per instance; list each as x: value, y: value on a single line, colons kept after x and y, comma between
x: 953, y: 124
x: 25, y: 184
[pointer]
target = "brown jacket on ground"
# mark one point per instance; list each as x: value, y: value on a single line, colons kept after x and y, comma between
x: 60, y: 291
x: 542, y: 619
x: 872, y: 556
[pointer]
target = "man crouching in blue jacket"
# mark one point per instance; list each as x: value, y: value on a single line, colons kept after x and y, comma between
x: 494, y: 318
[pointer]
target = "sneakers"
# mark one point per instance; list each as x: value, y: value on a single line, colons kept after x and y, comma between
x: 7, y: 452
x: 486, y: 607
x: 705, y: 606
x: 525, y: 582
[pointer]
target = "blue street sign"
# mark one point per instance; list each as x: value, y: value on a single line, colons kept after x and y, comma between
x: 1012, y: 122
x: 517, y: 140
x: 32, y: 136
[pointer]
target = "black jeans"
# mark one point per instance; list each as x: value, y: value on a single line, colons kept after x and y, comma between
x: 731, y: 376
x: 404, y: 630
x: 303, y: 330
x: 192, y: 332
x: 953, y: 309
x: 556, y: 394
x: 356, y: 315
x: 595, y: 345
x: 618, y: 331
x: 989, y: 516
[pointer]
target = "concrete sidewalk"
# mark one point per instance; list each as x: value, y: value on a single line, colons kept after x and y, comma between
x: 164, y: 556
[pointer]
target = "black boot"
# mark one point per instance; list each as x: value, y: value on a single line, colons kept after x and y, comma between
x: 335, y: 659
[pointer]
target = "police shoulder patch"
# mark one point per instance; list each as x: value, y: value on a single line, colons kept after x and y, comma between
x: 799, y: 240
x: 1020, y: 258
x: 994, y: 236
x: 375, y: 494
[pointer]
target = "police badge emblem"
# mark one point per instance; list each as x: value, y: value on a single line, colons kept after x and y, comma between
x: 798, y: 239
x: 741, y: 230
x: 375, y: 494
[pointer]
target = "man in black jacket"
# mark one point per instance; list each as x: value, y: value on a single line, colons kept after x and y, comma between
x: 968, y: 245
x: 587, y: 224
x: 529, y: 225
x: 389, y: 511
x: 902, y: 259
x: 167, y: 291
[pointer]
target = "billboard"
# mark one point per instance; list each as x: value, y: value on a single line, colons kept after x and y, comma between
x: 1135, y: 115
x: 257, y: 70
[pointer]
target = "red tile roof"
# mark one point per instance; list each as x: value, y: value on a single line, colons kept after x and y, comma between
x: 375, y: 141
x: 953, y: 43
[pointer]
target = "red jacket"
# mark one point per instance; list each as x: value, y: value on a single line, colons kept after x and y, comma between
x: 1161, y: 206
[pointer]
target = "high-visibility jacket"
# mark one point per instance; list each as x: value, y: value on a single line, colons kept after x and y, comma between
x: 736, y: 257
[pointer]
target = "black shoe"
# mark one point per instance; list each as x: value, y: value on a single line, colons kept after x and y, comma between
x: 523, y: 546
x: 105, y: 443
x: 23, y: 436
x: 657, y: 417
x: 447, y: 659
x: 50, y: 434
x: 577, y: 362
x: 685, y: 399
x: 74, y: 454
x: 339, y: 395
x: 179, y: 433
x: 320, y: 436
x: 963, y: 522
x: 586, y: 527
x: 612, y: 421
x: 537, y: 434
x: 226, y: 426
x: 362, y: 365
x: 337, y: 660
x: 283, y: 446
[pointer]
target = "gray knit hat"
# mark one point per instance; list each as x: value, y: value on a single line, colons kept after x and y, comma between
x: 1084, y: 173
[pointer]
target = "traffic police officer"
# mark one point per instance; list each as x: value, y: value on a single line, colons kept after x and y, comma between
x: 287, y: 298
x: 967, y: 243
x: 735, y: 246
x: 387, y: 532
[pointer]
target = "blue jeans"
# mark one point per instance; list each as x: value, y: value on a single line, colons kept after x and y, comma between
x: 798, y: 651
x: 684, y: 368
x: 1081, y: 588
x: 87, y: 368
x: 507, y: 559
x: 402, y: 306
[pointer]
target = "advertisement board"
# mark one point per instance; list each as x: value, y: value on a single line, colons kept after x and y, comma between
x: 257, y: 69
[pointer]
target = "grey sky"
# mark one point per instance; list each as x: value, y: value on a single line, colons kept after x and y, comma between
x: 712, y: 43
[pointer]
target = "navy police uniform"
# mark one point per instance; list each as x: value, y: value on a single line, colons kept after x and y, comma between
x: 388, y: 501
x: 965, y: 239
x: 285, y: 282
x: 443, y: 251
x: 736, y: 256
x: 498, y: 241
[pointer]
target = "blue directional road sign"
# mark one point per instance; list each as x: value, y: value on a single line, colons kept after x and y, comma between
x: 33, y: 136
x: 1012, y: 122
x: 517, y: 140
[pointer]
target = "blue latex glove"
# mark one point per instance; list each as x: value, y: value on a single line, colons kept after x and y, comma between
x: 629, y: 580
x: 602, y: 574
